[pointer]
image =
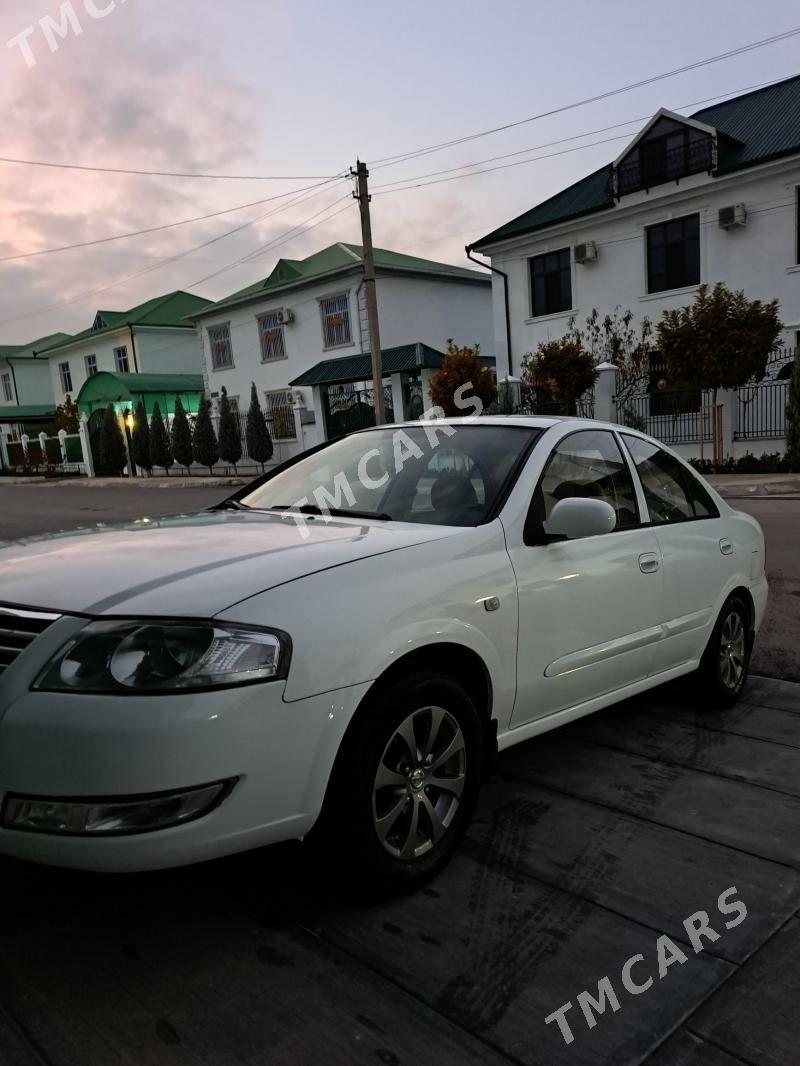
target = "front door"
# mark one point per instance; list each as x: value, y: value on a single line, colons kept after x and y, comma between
x: 589, y: 609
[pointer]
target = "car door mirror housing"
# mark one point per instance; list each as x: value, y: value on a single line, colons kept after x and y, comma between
x: 576, y: 517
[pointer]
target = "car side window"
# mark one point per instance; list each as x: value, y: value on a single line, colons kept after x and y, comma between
x: 587, y: 464
x: 672, y: 493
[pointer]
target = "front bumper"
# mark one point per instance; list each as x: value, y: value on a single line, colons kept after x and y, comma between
x: 67, y: 745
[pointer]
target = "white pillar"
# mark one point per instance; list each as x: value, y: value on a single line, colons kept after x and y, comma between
x: 24, y: 441
x: 88, y: 460
x: 319, y: 411
x: 397, y: 397
x: 425, y: 375
x: 728, y: 399
x: 43, y: 446
x: 62, y: 440
x: 4, y: 451
x: 605, y: 389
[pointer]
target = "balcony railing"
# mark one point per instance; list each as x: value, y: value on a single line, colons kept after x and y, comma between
x: 656, y: 167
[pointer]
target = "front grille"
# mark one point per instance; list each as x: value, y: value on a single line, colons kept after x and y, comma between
x: 19, y: 626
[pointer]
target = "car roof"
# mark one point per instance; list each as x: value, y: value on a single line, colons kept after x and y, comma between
x: 528, y: 421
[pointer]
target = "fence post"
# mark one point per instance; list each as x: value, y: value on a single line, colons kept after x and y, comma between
x: 605, y: 389
x: 62, y: 440
x: 83, y: 432
x: 24, y: 441
x: 43, y: 446
x: 727, y: 399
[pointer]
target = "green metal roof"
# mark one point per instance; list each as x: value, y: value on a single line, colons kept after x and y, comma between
x: 765, y: 123
x: 108, y: 387
x: 31, y: 411
x: 340, y: 259
x: 168, y: 311
x: 359, y: 367
x: 25, y: 351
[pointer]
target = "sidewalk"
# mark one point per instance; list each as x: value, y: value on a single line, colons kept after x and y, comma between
x: 131, y: 483
x: 743, y: 486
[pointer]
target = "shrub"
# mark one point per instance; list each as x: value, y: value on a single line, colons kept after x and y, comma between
x: 113, y: 453
x: 181, y: 436
x: 140, y: 439
x: 259, y: 441
x: 230, y: 443
x: 462, y: 366
x: 205, y: 447
x: 560, y: 371
x: 160, y: 448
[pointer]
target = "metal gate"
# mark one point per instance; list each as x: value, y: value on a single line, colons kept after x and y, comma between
x: 348, y: 408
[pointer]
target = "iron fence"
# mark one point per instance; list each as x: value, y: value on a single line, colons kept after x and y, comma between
x: 761, y: 411
x: 672, y: 417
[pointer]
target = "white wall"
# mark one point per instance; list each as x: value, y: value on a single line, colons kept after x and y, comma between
x: 761, y: 258
x: 431, y: 310
x: 158, y: 351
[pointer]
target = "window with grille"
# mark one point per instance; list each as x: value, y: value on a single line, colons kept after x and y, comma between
x: 219, y: 338
x: 65, y: 374
x: 336, y: 320
x: 280, y: 413
x: 270, y: 332
x: 91, y: 365
x: 121, y: 360
x: 673, y: 254
x: 8, y: 393
x: 551, y: 283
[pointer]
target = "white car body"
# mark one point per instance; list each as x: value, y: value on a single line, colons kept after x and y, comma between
x: 579, y: 626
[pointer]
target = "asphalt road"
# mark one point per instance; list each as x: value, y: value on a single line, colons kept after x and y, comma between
x: 26, y: 510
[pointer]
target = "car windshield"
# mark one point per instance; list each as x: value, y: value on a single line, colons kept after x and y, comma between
x: 437, y: 474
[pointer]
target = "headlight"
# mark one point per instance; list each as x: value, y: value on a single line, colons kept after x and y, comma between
x: 153, y: 656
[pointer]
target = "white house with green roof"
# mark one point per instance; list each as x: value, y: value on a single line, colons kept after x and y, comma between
x: 25, y: 387
x: 153, y: 338
x: 708, y: 198
x: 301, y: 335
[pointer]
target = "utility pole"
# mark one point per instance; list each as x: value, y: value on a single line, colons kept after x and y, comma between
x: 362, y: 195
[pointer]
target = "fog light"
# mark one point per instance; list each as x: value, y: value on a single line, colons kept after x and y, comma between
x: 123, y: 814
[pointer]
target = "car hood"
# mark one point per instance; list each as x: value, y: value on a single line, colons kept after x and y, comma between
x: 190, y: 565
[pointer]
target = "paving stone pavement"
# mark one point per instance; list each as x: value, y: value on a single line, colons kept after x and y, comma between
x: 589, y: 844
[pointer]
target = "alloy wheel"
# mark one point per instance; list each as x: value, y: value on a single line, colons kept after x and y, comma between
x: 419, y: 783
x: 732, y: 650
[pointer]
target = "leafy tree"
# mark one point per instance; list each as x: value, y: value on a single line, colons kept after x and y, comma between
x: 205, y: 448
x: 793, y: 416
x: 68, y: 416
x: 259, y: 441
x: 160, y: 448
x: 462, y: 366
x: 113, y: 453
x: 614, y: 339
x: 181, y: 436
x: 721, y: 340
x: 561, y: 371
x: 140, y: 439
x: 230, y: 442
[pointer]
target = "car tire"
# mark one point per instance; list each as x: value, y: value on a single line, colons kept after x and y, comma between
x: 393, y: 817
x: 726, y: 660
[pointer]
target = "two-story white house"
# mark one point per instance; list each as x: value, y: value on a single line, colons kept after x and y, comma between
x: 709, y: 198
x: 301, y: 335
x: 153, y: 338
x: 25, y: 387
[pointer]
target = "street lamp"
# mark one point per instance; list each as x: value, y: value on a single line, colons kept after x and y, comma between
x: 129, y: 420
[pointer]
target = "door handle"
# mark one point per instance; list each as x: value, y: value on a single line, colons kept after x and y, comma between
x: 726, y: 546
x: 648, y: 563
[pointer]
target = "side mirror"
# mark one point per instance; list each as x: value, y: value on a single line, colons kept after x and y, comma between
x: 577, y: 517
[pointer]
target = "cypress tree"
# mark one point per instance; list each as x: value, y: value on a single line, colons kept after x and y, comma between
x: 160, y: 449
x: 230, y: 443
x: 140, y: 439
x: 113, y: 453
x: 181, y: 436
x: 259, y: 442
x: 793, y: 416
x: 205, y: 448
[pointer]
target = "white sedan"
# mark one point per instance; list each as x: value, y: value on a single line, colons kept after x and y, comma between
x: 337, y: 651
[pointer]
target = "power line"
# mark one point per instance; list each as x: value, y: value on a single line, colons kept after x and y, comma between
x: 574, y: 137
x: 729, y: 54
x: 165, y: 226
x: 156, y: 266
x: 168, y: 173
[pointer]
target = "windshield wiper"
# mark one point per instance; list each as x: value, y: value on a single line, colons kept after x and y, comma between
x: 231, y: 505
x: 335, y: 512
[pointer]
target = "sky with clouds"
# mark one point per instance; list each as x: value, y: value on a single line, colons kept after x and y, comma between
x: 302, y: 88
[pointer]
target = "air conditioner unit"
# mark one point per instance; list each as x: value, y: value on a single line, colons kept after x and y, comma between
x: 299, y: 399
x: 586, y: 253
x: 730, y: 217
x: 289, y: 398
x: 285, y: 316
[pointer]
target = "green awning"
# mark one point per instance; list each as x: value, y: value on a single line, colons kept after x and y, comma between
x: 350, y: 368
x: 107, y: 387
x: 32, y: 412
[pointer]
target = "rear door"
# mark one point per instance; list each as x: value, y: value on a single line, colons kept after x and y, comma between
x: 589, y: 609
x: 697, y: 556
